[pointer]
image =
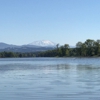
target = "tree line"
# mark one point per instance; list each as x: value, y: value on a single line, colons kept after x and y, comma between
x: 88, y: 48
x: 16, y: 54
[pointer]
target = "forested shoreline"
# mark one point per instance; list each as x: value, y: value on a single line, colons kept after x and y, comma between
x: 16, y: 54
x: 89, y: 48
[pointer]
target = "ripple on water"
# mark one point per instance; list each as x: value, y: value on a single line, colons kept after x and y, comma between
x: 51, y: 79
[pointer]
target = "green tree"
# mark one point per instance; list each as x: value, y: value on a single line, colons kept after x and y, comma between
x: 83, y: 49
x: 97, y: 48
x: 66, y: 51
x: 90, y: 45
x: 78, y: 48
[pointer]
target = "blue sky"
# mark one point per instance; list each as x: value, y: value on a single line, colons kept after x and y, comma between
x: 60, y: 21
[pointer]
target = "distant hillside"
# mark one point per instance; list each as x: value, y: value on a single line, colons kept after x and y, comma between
x: 31, y: 47
x: 26, y: 49
x: 4, y: 45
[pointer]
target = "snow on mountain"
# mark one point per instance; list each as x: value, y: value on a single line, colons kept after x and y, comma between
x: 43, y: 43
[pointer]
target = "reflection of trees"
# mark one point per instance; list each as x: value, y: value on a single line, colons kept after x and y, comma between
x: 57, y: 67
x: 88, y: 76
x: 63, y: 67
x: 87, y: 67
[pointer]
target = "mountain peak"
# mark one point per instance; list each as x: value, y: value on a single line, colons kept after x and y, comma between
x: 43, y: 43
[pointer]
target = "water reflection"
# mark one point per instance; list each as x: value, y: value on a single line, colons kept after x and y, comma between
x: 88, y: 67
x: 16, y: 66
x: 51, y: 79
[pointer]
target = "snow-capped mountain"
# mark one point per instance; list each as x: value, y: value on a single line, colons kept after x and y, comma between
x: 35, y: 46
x: 43, y: 43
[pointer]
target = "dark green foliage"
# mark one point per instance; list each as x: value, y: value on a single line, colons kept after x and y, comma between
x: 87, y: 49
x: 13, y: 54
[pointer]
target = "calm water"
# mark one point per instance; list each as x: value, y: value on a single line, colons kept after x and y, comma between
x: 50, y: 79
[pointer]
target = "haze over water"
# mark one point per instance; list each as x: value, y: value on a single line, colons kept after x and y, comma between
x: 50, y: 79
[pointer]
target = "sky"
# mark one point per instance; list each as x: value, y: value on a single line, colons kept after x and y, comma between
x: 60, y: 21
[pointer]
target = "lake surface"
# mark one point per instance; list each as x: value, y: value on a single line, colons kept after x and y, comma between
x: 50, y: 79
